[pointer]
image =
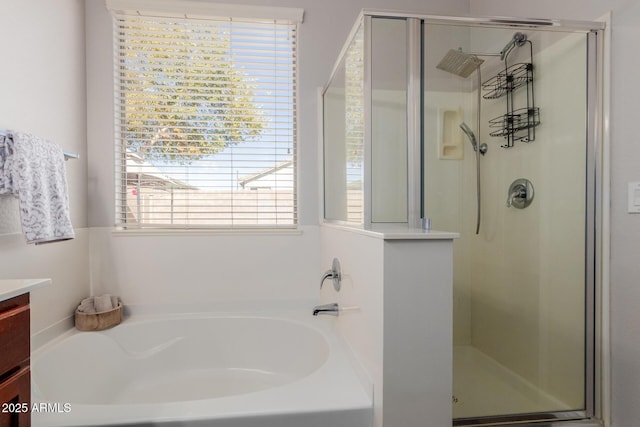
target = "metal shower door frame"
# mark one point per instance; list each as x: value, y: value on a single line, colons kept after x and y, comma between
x: 593, y: 411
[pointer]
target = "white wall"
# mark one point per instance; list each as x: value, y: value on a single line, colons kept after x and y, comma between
x: 205, y: 270
x: 397, y: 300
x: 42, y: 87
x: 418, y: 336
x: 361, y: 258
x: 625, y: 158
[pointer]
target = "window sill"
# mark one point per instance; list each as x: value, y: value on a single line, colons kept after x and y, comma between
x: 293, y: 231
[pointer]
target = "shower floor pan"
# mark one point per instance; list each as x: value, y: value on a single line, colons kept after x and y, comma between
x: 483, y: 387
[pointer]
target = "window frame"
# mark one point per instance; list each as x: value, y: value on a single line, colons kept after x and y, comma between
x: 207, y: 11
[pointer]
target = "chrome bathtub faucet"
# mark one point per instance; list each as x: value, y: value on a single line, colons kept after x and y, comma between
x: 330, y: 309
x: 334, y: 273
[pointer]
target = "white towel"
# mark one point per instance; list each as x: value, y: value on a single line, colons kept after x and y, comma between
x: 99, y: 304
x: 87, y: 306
x: 103, y: 303
x: 115, y: 300
x: 6, y: 160
x: 33, y: 169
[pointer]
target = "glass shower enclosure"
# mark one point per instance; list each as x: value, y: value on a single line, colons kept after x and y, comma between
x: 489, y: 128
x: 372, y: 149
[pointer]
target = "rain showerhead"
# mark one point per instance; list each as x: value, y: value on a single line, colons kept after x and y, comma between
x: 459, y: 63
x: 463, y: 64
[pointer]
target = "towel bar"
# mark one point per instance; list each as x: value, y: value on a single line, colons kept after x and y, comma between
x: 67, y: 154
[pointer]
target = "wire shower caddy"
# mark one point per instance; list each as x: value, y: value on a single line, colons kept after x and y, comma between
x: 517, y: 124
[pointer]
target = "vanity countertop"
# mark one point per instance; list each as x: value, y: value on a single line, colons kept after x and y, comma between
x: 13, y: 287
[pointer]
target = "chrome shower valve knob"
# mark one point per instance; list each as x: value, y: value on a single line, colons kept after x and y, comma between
x: 520, y: 194
x: 334, y: 273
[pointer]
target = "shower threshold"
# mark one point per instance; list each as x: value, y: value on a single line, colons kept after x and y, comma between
x: 488, y: 393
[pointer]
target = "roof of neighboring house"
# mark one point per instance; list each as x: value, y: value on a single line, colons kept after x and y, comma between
x: 151, y: 176
x: 264, y: 172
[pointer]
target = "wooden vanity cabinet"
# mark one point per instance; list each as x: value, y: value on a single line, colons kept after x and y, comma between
x: 15, y: 376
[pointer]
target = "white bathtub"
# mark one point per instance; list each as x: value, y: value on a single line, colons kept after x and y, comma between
x: 271, y: 370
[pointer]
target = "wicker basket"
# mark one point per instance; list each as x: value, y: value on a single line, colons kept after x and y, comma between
x: 99, y: 321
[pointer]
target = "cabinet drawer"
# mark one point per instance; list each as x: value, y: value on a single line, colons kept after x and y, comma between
x: 14, y: 302
x: 15, y: 398
x: 14, y: 338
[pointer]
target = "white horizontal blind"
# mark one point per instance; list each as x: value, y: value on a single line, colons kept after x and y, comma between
x: 205, y: 122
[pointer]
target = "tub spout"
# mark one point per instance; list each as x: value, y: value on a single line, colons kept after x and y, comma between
x: 331, y: 309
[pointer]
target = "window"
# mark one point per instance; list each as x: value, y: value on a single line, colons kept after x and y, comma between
x: 205, y: 120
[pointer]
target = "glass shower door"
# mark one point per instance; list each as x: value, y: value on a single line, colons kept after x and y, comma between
x: 521, y: 283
